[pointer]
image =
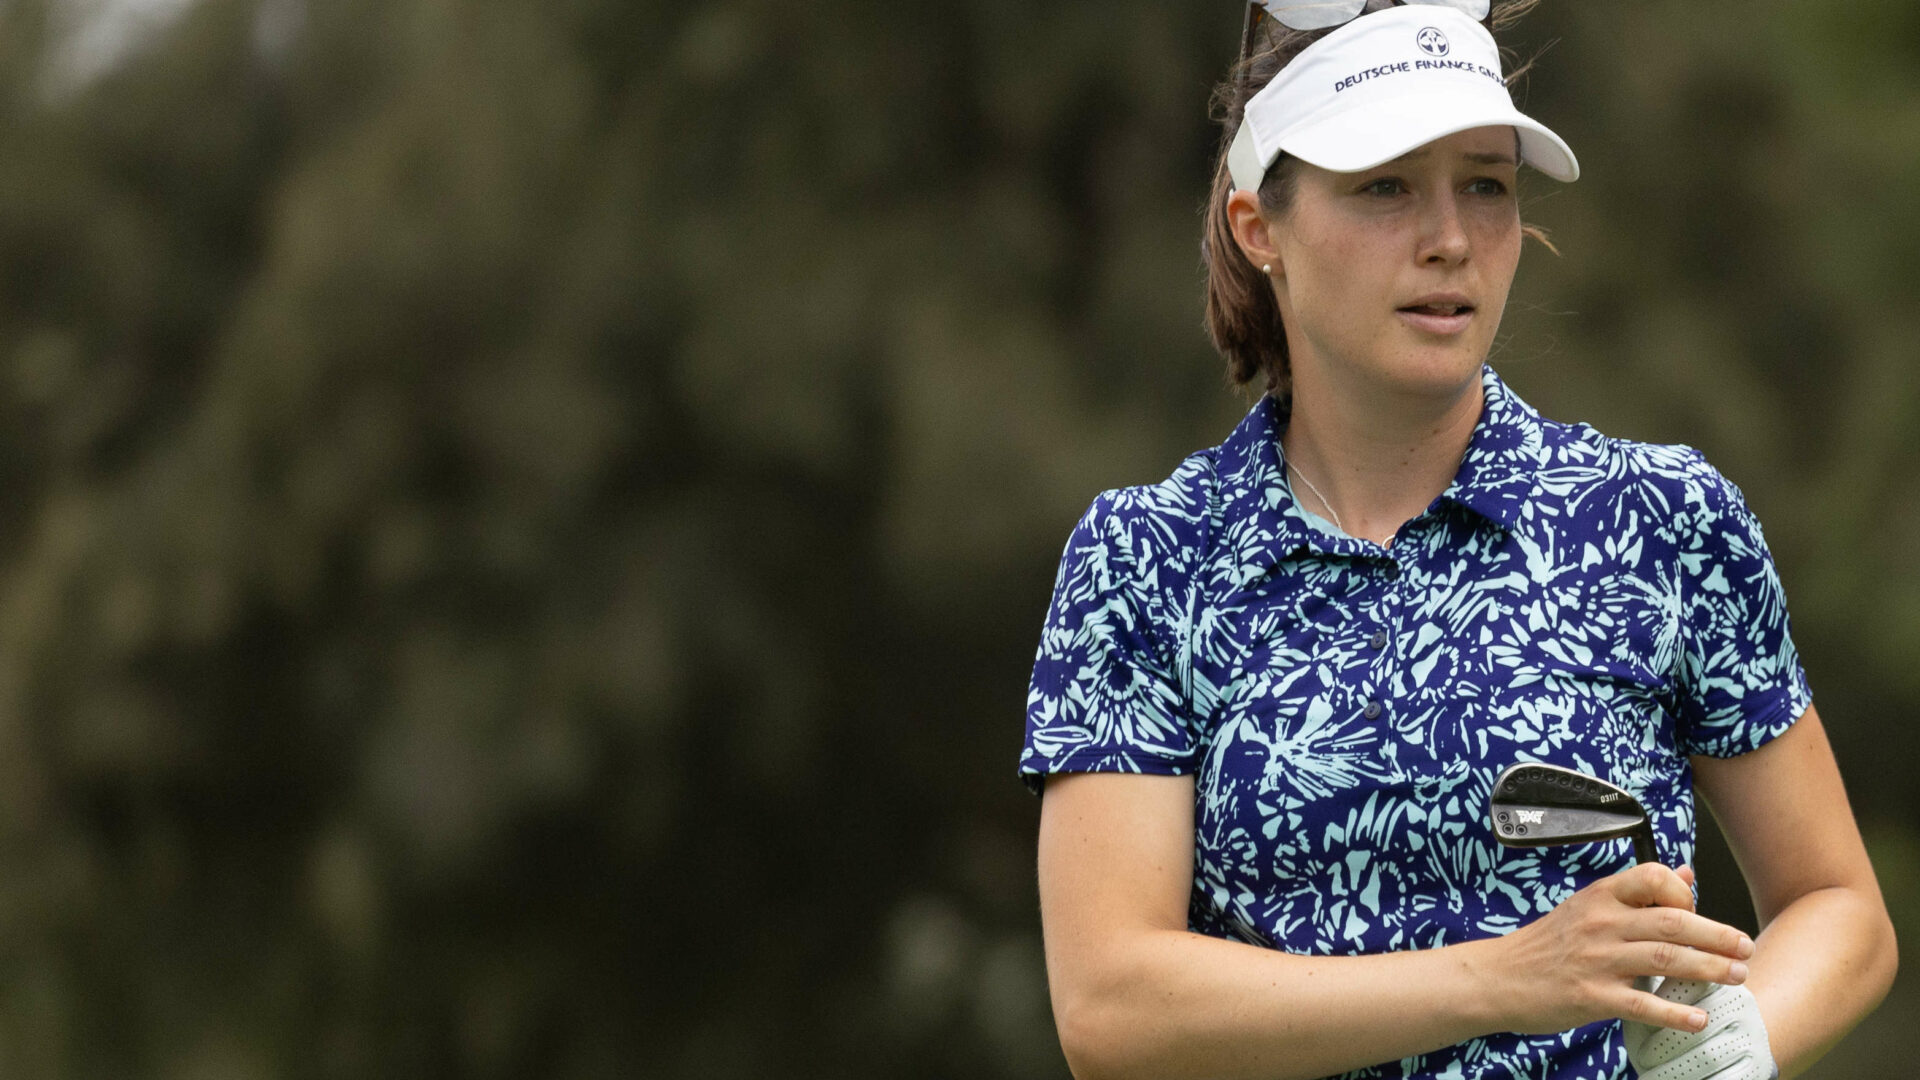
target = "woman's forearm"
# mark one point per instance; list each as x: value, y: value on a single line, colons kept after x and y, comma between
x: 1168, y: 1004
x: 1822, y: 964
x: 1177, y: 1004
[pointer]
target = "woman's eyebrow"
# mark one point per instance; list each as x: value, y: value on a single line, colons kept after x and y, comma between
x: 1476, y: 158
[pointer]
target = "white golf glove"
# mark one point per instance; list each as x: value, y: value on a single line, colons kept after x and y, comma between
x: 1733, y: 1045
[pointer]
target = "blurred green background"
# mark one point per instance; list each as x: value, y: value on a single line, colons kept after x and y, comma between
x: 528, y: 522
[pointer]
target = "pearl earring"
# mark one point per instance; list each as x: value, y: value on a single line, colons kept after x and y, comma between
x: 1267, y: 269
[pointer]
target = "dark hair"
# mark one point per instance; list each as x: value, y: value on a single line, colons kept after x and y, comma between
x: 1243, y: 319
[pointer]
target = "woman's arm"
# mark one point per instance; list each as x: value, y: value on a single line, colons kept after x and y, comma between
x: 1826, y: 953
x: 1136, y: 994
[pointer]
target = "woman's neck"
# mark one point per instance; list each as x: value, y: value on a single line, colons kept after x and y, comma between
x: 1375, y: 458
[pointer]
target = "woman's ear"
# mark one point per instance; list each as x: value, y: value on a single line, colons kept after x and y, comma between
x: 1250, y: 231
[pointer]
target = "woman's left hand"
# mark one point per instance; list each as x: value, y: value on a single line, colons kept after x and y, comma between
x: 1733, y: 1045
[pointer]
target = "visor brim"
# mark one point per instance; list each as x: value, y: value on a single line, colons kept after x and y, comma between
x: 1374, y: 133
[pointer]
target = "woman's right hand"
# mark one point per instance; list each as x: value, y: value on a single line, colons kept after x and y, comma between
x: 1577, y: 964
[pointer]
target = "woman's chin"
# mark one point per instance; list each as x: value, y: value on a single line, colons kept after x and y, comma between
x: 1435, y: 369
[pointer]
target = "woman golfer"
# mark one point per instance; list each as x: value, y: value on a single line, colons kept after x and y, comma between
x: 1274, y: 690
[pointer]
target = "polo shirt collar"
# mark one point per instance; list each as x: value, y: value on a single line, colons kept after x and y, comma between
x: 1261, y: 524
x: 1508, y: 447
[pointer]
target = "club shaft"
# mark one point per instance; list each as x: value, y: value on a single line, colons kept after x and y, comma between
x: 1643, y: 849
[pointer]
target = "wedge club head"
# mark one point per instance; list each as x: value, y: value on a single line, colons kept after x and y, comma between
x: 1539, y: 805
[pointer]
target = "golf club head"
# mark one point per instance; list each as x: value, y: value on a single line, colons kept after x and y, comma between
x: 1538, y: 805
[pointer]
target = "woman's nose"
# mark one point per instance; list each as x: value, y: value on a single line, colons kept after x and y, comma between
x: 1444, y: 236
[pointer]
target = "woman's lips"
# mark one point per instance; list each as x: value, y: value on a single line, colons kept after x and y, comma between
x: 1436, y: 320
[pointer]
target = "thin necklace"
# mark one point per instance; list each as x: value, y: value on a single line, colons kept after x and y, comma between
x: 1327, y: 506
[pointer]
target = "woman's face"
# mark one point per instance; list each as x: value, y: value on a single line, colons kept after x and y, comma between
x: 1397, y: 276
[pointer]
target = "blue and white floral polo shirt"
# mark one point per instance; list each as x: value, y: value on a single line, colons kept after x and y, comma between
x: 1605, y: 605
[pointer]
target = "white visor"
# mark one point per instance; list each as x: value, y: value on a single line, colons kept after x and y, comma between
x: 1384, y: 84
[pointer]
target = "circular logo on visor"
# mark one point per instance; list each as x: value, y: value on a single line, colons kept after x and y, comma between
x: 1432, y: 42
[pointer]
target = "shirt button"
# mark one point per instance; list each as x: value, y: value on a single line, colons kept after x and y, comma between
x: 1378, y: 640
x: 1373, y: 709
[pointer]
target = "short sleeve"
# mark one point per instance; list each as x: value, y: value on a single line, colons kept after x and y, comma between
x: 1741, y: 681
x: 1106, y: 694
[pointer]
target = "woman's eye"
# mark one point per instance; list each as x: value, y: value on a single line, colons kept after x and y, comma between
x: 1386, y: 185
x: 1487, y: 185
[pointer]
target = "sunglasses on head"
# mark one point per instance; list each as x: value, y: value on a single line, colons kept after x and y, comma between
x: 1321, y: 14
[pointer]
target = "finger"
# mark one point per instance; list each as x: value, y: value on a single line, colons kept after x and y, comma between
x: 1651, y: 884
x: 1686, y: 928
x: 1650, y: 1047
x: 1645, y: 1008
x: 1687, y: 875
x: 1677, y: 962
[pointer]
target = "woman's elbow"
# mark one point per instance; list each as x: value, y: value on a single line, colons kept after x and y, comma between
x: 1873, y: 954
x: 1081, y: 1039
x: 1887, y: 955
x: 1093, y: 1036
